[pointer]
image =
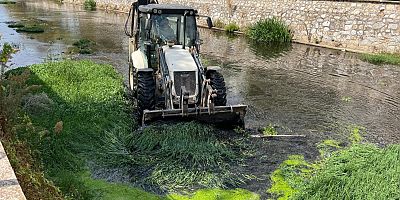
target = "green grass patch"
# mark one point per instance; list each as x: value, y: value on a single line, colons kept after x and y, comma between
x: 89, y: 5
x: 84, y: 46
x: 217, y: 194
x: 31, y: 29
x: 87, y: 100
x: 360, y: 171
x: 16, y: 25
x: 270, y: 31
x: 269, y: 130
x: 8, y: 2
x: 219, y: 24
x: 231, y: 27
x: 382, y: 58
x: 175, y: 157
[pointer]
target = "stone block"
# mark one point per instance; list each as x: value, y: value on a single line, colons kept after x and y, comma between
x: 326, y: 23
x: 347, y: 27
x: 393, y: 26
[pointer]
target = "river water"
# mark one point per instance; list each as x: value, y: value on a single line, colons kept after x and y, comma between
x: 299, y: 89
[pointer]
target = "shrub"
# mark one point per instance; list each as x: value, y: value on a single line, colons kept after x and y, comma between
x: 270, y: 30
x: 231, y: 27
x: 90, y: 5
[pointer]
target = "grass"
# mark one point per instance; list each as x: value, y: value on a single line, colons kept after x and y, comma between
x: 219, y: 24
x: 231, y: 27
x: 16, y: 25
x: 31, y: 29
x: 269, y: 130
x: 30, y: 25
x: 7, y: 2
x: 89, y: 5
x: 13, y: 123
x: 84, y: 46
x: 270, y: 31
x: 382, y: 58
x: 359, y: 171
x: 174, y: 157
x: 79, y: 115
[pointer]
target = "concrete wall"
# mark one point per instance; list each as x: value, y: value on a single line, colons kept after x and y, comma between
x: 9, y: 186
x: 361, y: 25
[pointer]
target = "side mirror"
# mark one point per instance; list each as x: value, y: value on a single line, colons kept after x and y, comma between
x: 209, y: 22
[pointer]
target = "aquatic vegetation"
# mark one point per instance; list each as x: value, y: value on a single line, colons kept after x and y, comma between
x: 31, y: 29
x: 382, y: 58
x: 347, y: 99
x: 271, y: 31
x: 16, y: 25
x: 287, y: 179
x: 269, y: 130
x: 175, y: 156
x: 84, y: 46
x: 7, y: 2
x: 89, y: 5
x: 219, y: 24
x: 358, y: 171
x: 231, y: 27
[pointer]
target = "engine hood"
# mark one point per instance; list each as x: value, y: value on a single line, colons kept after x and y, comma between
x: 179, y: 59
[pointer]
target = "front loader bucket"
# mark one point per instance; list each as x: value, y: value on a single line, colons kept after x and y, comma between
x: 220, y: 115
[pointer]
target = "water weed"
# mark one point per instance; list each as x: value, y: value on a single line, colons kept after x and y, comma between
x: 358, y: 171
x: 382, y: 58
x: 231, y: 27
x: 89, y: 5
x: 84, y: 46
x: 270, y: 31
x: 269, y: 130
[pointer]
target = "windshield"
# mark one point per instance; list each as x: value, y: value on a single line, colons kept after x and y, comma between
x: 170, y: 27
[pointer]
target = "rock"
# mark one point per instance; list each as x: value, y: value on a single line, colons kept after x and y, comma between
x: 327, y: 23
x: 393, y: 26
x: 378, y: 25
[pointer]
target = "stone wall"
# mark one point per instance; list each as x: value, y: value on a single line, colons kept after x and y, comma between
x: 361, y: 25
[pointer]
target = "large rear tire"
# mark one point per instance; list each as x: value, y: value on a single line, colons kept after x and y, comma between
x: 145, y: 93
x: 218, y: 83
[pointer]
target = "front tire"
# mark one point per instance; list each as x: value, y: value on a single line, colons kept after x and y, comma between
x: 218, y: 83
x: 145, y: 92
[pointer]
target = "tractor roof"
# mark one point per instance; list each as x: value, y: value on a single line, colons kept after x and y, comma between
x: 166, y: 9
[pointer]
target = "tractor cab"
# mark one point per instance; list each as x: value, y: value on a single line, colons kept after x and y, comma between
x: 167, y: 24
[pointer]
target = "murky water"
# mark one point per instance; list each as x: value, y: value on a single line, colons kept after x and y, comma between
x: 300, y: 89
